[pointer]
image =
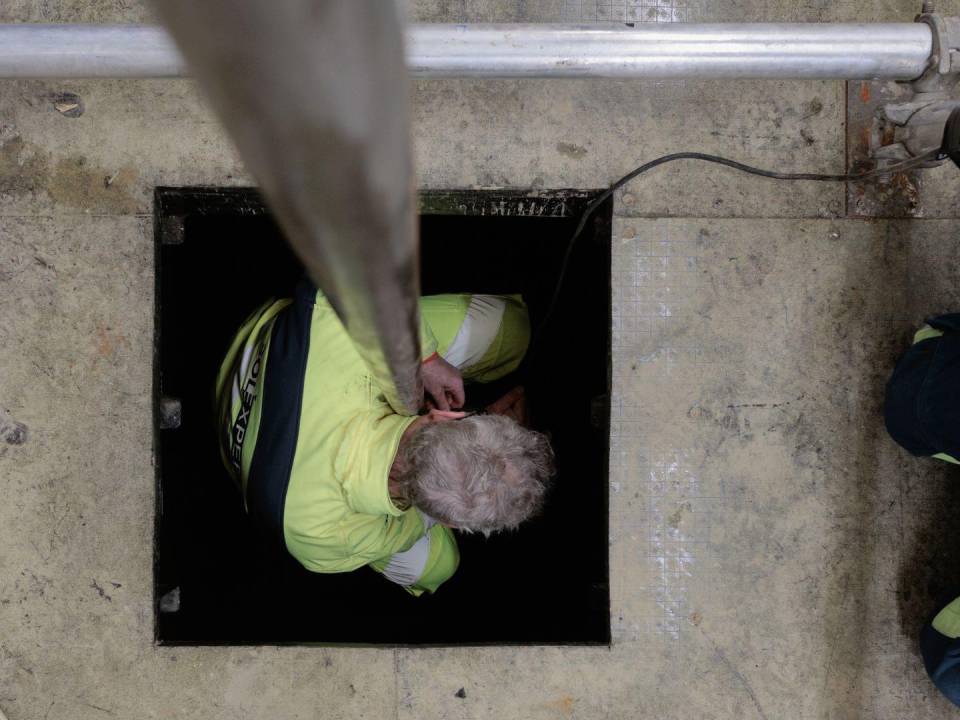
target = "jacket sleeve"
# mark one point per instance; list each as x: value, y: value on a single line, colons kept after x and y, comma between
x: 355, y: 522
x: 441, y: 564
x: 432, y: 561
x: 359, y: 540
x: 509, y: 344
x: 371, y: 537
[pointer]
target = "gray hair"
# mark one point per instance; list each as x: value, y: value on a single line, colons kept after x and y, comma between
x: 480, y: 474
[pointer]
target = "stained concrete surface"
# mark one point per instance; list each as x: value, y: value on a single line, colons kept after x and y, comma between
x: 772, y: 552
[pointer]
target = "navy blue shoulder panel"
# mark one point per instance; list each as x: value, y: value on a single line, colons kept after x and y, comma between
x: 938, y: 402
x: 279, y: 426
x: 950, y: 321
x: 922, y: 406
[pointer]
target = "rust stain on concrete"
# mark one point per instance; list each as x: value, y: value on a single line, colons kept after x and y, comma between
x: 76, y: 183
x: 564, y: 704
x: 107, y: 341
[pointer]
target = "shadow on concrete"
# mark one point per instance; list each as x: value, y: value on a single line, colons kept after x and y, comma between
x: 930, y: 572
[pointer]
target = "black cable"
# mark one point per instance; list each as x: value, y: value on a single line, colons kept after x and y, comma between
x: 706, y: 157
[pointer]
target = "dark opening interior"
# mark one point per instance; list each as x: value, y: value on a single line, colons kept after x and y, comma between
x: 220, y: 255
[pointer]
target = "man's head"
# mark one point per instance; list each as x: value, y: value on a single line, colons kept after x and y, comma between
x: 480, y: 474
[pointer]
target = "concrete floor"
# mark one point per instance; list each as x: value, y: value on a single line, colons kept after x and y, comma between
x: 772, y: 551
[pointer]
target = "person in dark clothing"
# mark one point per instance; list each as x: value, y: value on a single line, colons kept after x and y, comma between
x: 922, y: 413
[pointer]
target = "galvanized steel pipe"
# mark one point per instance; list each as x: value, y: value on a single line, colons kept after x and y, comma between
x: 88, y: 51
x: 893, y: 51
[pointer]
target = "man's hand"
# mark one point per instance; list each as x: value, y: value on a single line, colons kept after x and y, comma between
x: 442, y: 383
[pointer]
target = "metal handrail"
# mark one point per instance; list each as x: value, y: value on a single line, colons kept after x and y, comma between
x: 894, y: 51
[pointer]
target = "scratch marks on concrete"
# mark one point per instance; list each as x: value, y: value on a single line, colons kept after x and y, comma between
x: 403, y: 683
x: 97, y: 707
x: 100, y: 591
x: 667, y: 504
x: 732, y: 669
x: 775, y: 405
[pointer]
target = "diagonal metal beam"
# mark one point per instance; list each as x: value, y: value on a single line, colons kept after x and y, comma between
x: 314, y: 93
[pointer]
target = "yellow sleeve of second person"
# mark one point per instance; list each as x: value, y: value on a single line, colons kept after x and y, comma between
x: 444, y: 315
x: 428, y: 341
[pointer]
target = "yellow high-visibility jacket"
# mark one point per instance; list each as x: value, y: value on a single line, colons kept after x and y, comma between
x: 310, y: 438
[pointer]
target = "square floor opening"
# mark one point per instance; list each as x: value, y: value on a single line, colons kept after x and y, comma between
x: 219, y: 256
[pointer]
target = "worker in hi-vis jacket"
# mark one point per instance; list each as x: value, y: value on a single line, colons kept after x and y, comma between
x: 923, y: 415
x: 330, y: 470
